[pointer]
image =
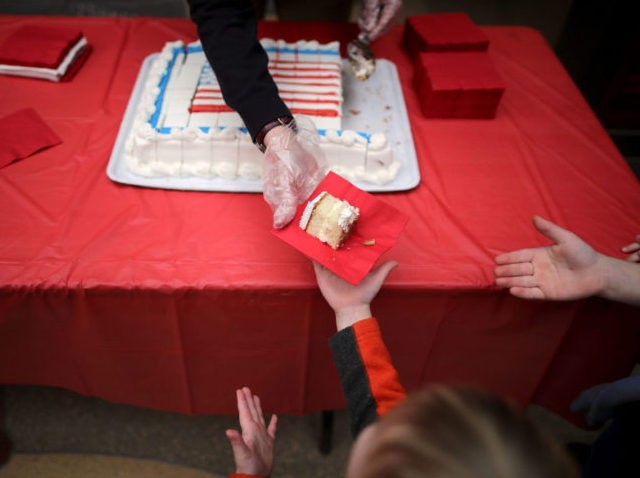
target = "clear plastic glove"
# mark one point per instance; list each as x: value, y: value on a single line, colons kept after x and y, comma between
x: 377, y: 16
x: 599, y: 402
x: 293, y: 166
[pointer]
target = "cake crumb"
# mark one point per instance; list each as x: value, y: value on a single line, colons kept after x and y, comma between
x: 369, y: 242
x: 354, y: 112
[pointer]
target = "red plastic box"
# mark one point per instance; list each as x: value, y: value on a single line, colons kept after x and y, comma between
x: 458, y: 85
x: 443, y: 32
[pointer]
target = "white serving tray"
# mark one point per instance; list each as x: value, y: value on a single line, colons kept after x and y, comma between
x: 372, y: 106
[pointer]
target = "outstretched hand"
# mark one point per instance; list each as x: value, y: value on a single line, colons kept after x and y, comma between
x: 253, y: 450
x: 351, y: 302
x: 565, y: 270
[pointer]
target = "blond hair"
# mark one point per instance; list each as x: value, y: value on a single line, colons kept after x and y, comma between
x: 444, y: 432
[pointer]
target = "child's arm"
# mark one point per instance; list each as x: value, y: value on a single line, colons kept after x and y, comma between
x: 369, y: 380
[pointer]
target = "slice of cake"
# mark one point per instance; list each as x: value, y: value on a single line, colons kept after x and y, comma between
x: 329, y: 219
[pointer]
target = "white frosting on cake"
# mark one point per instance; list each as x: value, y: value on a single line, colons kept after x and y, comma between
x: 348, y: 216
x: 183, y: 128
x: 308, y: 210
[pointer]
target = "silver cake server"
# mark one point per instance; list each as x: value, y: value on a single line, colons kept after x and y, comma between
x: 361, y: 57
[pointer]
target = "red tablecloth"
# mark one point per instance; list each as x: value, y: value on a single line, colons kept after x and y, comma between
x: 172, y: 299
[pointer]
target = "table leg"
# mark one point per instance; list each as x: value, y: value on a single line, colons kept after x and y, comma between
x: 5, y: 443
x: 326, y: 432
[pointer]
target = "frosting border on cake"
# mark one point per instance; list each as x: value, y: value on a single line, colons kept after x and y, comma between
x: 227, y: 151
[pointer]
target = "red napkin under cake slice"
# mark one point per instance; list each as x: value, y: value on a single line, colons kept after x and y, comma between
x: 377, y: 229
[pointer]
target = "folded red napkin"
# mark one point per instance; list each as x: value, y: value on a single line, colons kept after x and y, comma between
x: 458, y: 85
x: 443, y: 32
x: 376, y: 231
x: 38, y: 46
x: 22, y: 134
x: 76, y: 63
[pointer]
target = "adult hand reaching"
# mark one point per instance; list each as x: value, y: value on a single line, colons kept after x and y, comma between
x: 293, y: 167
x: 565, y: 270
x: 377, y: 16
x: 253, y: 450
x: 351, y: 303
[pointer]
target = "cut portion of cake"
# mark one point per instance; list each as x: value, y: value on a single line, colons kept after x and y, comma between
x: 329, y: 219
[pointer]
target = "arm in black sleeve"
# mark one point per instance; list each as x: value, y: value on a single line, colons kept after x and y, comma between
x: 355, y: 383
x: 228, y: 32
x: 370, y: 381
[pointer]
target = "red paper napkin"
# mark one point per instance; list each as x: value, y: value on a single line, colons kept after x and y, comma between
x: 378, y: 222
x: 22, y: 134
x: 443, y: 32
x: 77, y: 63
x: 38, y: 46
x: 458, y: 85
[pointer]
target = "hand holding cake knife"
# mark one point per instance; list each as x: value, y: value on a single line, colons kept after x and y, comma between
x: 361, y: 57
x: 375, y: 18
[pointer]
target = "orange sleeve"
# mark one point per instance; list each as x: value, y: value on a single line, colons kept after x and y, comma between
x: 370, y: 382
x: 383, y: 377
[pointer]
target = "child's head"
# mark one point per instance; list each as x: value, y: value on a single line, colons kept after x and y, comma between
x: 444, y: 432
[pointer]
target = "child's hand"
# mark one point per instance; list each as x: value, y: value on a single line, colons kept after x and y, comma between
x: 351, y: 303
x: 253, y: 451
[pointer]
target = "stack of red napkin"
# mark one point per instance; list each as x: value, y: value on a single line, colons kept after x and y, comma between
x: 443, y: 32
x: 40, y: 51
x: 454, y: 75
x: 458, y: 85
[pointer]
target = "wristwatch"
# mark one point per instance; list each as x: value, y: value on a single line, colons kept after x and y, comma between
x: 282, y: 121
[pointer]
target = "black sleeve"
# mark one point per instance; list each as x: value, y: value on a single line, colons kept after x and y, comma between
x: 361, y: 403
x: 228, y: 32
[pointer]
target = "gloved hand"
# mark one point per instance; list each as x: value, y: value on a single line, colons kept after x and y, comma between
x: 599, y: 402
x: 376, y: 16
x: 293, y: 166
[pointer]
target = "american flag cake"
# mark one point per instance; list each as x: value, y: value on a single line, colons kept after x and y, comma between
x: 183, y: 127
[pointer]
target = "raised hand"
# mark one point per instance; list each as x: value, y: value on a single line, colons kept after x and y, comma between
x: 253, y: 450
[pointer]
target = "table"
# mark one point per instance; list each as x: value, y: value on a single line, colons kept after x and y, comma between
x: 171, y: 299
